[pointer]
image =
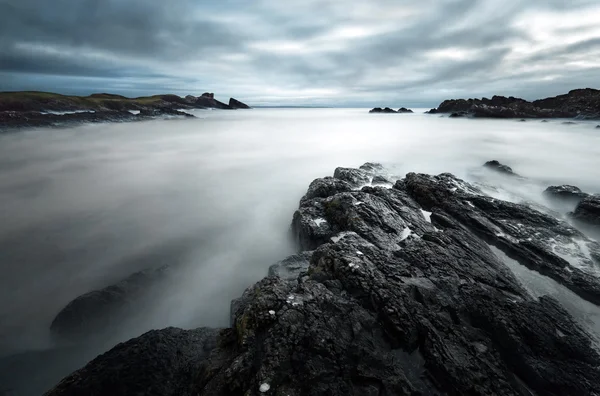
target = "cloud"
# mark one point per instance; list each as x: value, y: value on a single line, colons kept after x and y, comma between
x: 332, y: 52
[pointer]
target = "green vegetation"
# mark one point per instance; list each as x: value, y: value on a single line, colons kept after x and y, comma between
x: 39, y: 101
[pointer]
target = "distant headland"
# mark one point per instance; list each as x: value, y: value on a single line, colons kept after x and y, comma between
x: 38, y: 109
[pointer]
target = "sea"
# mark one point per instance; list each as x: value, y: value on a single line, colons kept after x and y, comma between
x: 83, y: 207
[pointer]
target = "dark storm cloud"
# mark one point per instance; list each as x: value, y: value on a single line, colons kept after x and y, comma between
x: 329, y: 51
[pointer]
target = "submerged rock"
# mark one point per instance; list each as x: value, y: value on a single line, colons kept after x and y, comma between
x: 401, y: 296
x: 565, y: 193
x: 500, y: 168
x: 588, y: 210
x: 104, y: 310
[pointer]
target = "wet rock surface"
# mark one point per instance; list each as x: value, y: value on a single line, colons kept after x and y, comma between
x: 588, y: 210
x: 565, y: 193
x: 402, y: 295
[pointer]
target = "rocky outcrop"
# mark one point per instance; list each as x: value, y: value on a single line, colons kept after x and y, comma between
x: 402, y: 295
x: 380, y: 110
x: 588, y: 210
x: 500, y: 168
x: 565, y: 193
x: 42, y: 109
x: 578, y: 103
x: 208, y: 100
x: 388, y: 110
x: 29, y: 119
x: 103, y: 310
x: 236, y: 104
x: 160, y: 362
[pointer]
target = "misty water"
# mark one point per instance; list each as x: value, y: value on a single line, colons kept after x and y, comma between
x: 82, y: 208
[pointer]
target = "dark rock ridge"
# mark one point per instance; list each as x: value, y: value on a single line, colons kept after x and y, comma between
x: 160, y: 362
x: 380, y: 110
x: 104, y: 310
x: 565, y: 193
x: 588, y: 210
x: 500, y: 168
x: 578, y: 103
x: 388, y: 110
x: 402, y: 295
x: 40, y: 109
x: 236, y: 104
x: 208, y: 100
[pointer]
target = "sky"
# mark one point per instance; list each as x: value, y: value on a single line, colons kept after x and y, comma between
x: 302, y: 52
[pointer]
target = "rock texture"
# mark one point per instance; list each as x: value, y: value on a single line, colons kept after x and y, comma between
x: 578, y: 103
x: 565, y: 193
x: 104, y: 310
x: 158, y: 363
x: 588, y: 210
x: 402, y: 295
x: 236, y: 104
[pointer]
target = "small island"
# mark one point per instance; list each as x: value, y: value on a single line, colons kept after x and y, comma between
x: 388, y: 110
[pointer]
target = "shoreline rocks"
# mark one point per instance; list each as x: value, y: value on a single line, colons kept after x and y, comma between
x: 588, y: 210
x: 395, y: 291
x: 42, y: 109
x: 582, y: 104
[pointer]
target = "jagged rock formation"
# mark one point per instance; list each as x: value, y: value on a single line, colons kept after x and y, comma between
x: 208, y: 100
x: 402, y: 295
x: 588, y: 210
x: 578, y: 103
x: 236, y: 104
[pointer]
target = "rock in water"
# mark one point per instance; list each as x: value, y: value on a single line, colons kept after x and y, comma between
x: 236, y: 104
x: 380, y: 110
x: 565, y: 193
x: 402, y: 296
x: 500, y: 168
x: 104, y: 310
x: 404, y: 110
x: 160, y: 362
x: 588, y: 210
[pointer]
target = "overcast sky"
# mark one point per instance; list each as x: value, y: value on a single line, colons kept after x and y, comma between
x: 321, y: 52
